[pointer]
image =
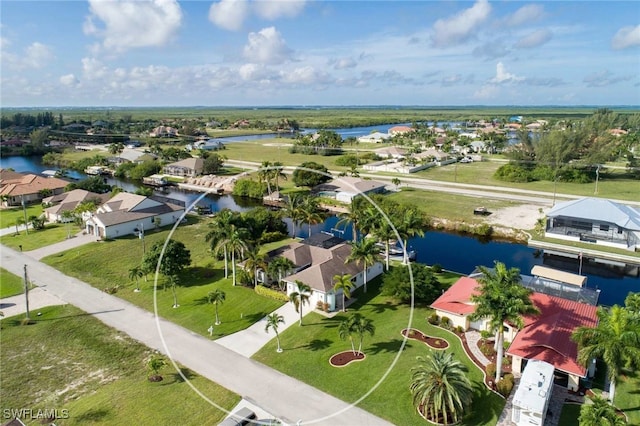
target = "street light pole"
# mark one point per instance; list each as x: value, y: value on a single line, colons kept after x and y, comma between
x: 26, y: 292
x: 142, y: 237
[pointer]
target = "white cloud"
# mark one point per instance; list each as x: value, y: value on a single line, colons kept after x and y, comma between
x: 604, y: 78
x: 229, y: 14
x: 535, y: 39
x: 267, y: 47
x: 253, y: 72
x: 626, y: 37
x: 525, y: 14
x: 451, y: 80
x: 280, y: 8
x: 34, y: 56
x: 502, y: 76
x: 93, y: 68
x: 69, y: 80
x: 303, y: 75
x: 488, y: 91
x: 343, y: 63
x: 459, y: 28
x: 133, y: 24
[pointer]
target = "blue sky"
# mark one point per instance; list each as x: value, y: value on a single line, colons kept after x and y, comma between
x: 296, y: 52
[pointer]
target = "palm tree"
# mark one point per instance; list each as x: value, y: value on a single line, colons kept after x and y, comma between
x: 440, y: 387
x: 361, y: 326
x: 216, y: 297
x: 599, y: 413
x: 279, y: 266
x: 364, y: 252
x: 301, y: 297
x: 293, y: 209
x: 264, y: 174
x: 255, y: 260
x: 384, y: 232
x: 278, y: 172
x: 273, y: 321
x: 311, y: 212
x: 410, y: 225
x: 218, y: 236
x: 235, y: 243
x: 351, y: 216
x: 616, y: 339
x: 67, y: 216
x: 345, y: 331
x: 136, y: 273
x: 343, y: 282
x: 502, y: 299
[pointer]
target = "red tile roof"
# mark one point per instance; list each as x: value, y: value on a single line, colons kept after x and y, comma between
x: 547, y: 337
x: 457, y: 299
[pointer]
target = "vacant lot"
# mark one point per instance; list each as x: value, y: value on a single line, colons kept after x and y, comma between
x: 99, y: 375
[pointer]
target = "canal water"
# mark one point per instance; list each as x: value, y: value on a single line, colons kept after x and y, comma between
x: 455, y: 252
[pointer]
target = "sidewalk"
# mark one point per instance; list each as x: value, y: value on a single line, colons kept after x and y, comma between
x: 249, y: 341
x: 284, y: 397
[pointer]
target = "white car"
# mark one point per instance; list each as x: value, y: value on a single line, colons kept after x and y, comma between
x: 467, y: 160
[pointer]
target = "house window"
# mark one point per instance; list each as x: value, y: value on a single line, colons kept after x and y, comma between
x: 619, y: 230
x: 604, y: 228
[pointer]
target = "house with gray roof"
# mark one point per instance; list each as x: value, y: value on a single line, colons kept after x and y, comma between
x: 68, y: 202
x: 317, y: 260
x: 189, y: 167
x: 127, y: 214
x: 595, y: 220
x: 346, y: 188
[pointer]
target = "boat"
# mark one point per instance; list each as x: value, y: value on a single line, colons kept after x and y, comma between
x: 97, y: 170
x: 481, y: 211
x: 396, y: 252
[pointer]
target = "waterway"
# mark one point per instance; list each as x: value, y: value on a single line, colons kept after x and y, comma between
x: 452, y: 251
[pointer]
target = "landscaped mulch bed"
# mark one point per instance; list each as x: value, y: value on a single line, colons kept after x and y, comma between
x: 343, y: 358
x: 433, y: 342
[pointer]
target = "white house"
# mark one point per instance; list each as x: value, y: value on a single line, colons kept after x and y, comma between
x: 345, y: 189
x: 126, y: 214
x: 595, y: 220
x: 375, y: 137
x: 531, y: 400
x: 318, y: 259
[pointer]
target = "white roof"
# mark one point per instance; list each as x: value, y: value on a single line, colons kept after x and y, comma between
x: 535, y: 386
x: 561, y: 276
x: 601, y: 210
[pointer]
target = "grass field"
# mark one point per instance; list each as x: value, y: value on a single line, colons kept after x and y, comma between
x: 307, y: 350
x: 9, y: 216
x: 107, y: 263
x: 51, y: 234
x: 569, y: 415
x: 99, y: 375
x: 627, y: 396
x: 10, y: 284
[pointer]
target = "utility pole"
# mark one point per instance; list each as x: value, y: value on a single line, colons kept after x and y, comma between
x: 597, y: 178
x: 142, y: 238
x: 26, y: 292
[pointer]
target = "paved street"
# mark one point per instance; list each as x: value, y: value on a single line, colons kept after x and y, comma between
x: 278, y: 394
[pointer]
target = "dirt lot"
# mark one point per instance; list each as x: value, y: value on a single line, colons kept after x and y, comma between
x: 519, y: 217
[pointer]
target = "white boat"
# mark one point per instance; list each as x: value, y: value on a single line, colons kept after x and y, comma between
x: 396, y: 252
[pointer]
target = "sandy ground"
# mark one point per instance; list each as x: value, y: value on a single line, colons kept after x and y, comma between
x: 520, y: 217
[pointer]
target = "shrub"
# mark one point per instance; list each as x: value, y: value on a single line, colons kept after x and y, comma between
x: 249, y: 188
x: 437, y: 268
x: 484, y: 229
x: 319, y: 304
x: 504, y: 387
x: 459, y: 329
x: 491, y: 370
x: 325, y: 307
x: 433, y: 319
x: 512, y: 173
x: 273, y: 294
x: 445, y: 322
x: 269, y: 237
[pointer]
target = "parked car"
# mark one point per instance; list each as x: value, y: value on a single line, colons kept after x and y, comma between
x: 467, y: 160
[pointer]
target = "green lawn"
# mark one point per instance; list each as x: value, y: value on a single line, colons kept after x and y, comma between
x: 35, y: 239
x: 627, y: 397
x: 569, y: 415
x: 106, y: 264
x: 99, y: 375
x: 9, y: 216
x: 10, y: 284
x: 307, y: 350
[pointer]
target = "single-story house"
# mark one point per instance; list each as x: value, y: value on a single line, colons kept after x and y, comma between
x: 68, y: 201
x: 127, y: 213
x: 595, y: 220
x: 16, y: 188
x: 545, y: 337
x: 346, y: 188
x: 206, y: 145
x: 375, y: 137
x: 399, y: 130
x: 163, y: 132
x: 391, y: 152
x: 317, y: 260
x: 189, y: 167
